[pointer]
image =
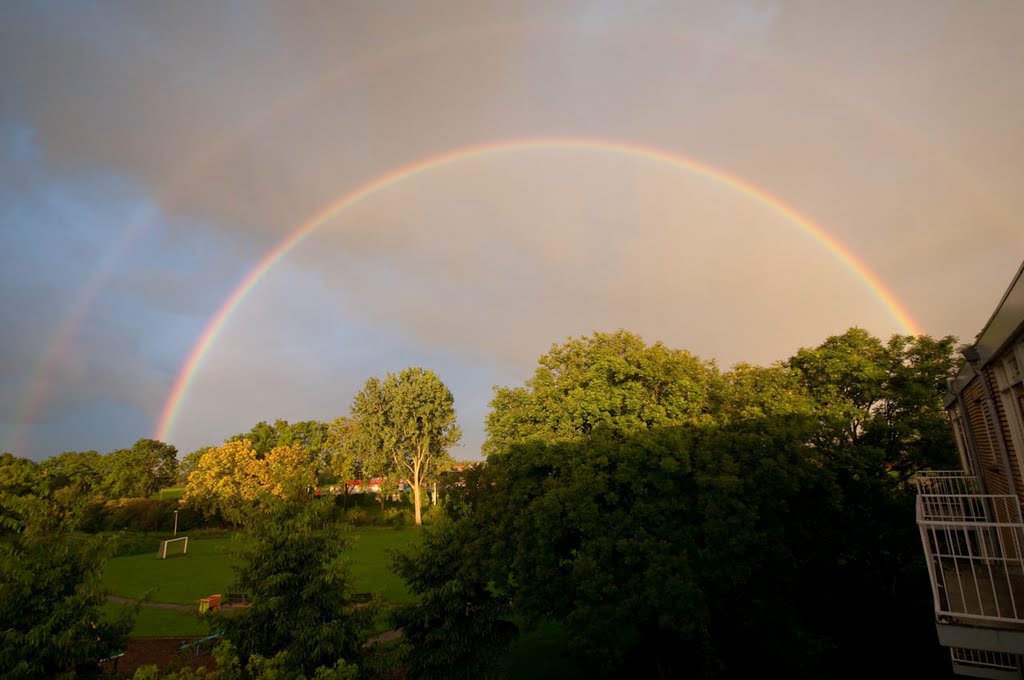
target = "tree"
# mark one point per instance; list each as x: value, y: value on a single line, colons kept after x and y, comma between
x: 18, y: 476
x: 301, y: 598
x: 406, y: 422
x: 71, y: 481
x: 769, y: 528
x: 233, y: 480
x: 343, y: 459
x: 456, y: 629
x: 139, y: 472
x: 51, y: 619
x: 262, y: 437
x: 763, y: 391
x: 309, y: 435
x: 886, y: 396
x: 190, y: 462
x: 913, y: 427
x: 610, y: 380
x: 663, y: 552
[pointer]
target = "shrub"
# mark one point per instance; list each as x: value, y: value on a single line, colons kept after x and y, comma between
x: 133, y: 514
x: 356, y: 517
x: 395, y: 517
x: 432, y: 514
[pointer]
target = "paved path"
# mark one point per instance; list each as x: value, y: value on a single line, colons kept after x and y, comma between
x: 164, y: 605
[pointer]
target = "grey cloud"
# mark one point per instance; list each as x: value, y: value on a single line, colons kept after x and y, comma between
x: 895, y: 128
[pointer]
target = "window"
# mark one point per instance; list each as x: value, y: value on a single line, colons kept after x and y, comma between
x: 1011, y: 391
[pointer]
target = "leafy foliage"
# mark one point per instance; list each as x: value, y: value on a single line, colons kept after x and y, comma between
x: 344, y: 460
x: 140, y: 471
x: 754, y: 519
x: 310, y: 436
x: 406, y: 424
x: 609, y: 380
x: 50, y: 600
x: 886, y: 396
x: 297, y: 578
x: 233, y: 480
x: 456, y: 630
x: 75, y: 480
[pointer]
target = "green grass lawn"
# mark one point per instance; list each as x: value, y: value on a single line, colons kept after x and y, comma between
x: 162, y: 622
x: 371, y: 564
x: 206, y: 570
x: 169, y: 494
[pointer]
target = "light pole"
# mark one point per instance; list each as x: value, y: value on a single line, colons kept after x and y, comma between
x: 175, y: 522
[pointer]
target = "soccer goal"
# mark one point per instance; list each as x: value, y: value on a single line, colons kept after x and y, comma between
x: 173, y: 546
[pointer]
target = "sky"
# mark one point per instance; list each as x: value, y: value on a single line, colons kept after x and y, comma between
x: 213, y: 214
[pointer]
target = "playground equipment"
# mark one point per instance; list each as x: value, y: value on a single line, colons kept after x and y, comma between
x: 209, y: 604
x: 171, y: 547
x: 196, y: 645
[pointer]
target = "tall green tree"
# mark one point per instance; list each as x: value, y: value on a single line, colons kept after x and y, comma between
x: 882, y: 395
x: 458, y: 627
x: 343, y: 458
x: 190, y: 462
x: 406, y: 422
x: 770, y: 527
x: 72, y: 480
x: 18, y: 476
x: 296, y: 576
x: 51, y: 618
x: 610, y: 380
x: 262, y: 436
x: 140, y: 471
x: 309, y: 435
x: 763, y: 391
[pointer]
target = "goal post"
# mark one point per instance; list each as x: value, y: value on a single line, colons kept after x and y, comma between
x: 173, y: 546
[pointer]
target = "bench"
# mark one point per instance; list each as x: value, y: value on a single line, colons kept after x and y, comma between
x: 239, y: 599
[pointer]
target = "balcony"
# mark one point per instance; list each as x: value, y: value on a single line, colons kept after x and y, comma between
x: 978, y: 663
x: 949, y: 482
x: 974, y: 545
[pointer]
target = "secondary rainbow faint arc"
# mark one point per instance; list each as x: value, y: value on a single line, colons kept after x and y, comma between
x: 371, y: 187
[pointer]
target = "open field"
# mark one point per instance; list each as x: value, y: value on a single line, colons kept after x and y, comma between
x: 169, y: 494
x: 162, y: 622
x: 206, y: 570
x: 371, y: 563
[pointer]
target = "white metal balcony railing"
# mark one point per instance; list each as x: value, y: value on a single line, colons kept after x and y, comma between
x: 974, y: 545
x: 983, y: 658
x: 946, y: 482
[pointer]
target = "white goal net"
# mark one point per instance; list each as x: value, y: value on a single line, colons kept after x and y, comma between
x: 173, y: 546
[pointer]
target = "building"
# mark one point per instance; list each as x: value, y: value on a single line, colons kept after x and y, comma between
x: 970, y: 519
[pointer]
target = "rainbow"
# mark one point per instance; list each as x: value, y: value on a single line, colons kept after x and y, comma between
x: 410, y: 170
x: 195, y: 168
